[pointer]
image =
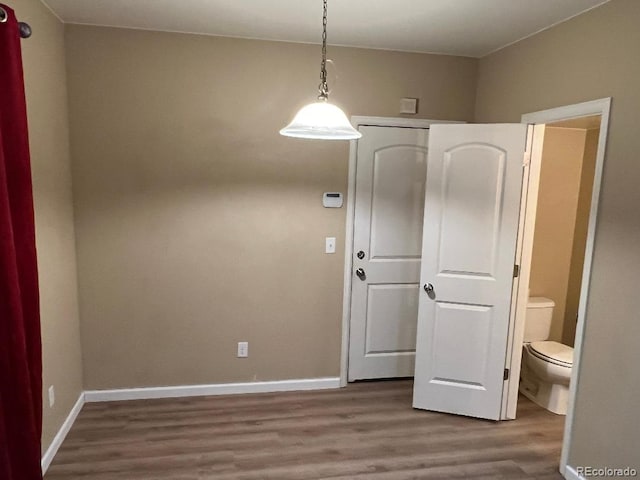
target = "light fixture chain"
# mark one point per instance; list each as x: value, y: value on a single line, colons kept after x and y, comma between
x: 324, y: 89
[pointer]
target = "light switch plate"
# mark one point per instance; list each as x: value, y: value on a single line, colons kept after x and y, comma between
x: 330, y: 245
x: 243, y: 349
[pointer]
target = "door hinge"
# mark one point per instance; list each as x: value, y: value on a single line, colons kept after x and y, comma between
x: 505, y: 376
x: 516, y: 271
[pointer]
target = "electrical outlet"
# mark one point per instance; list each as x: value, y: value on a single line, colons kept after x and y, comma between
x: 243, y: 349
x: 52, y: 396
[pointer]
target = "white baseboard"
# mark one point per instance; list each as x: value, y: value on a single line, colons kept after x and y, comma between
x: 178, y: 391
x: 571, y: 474
x: 214, y: 389
x: 47, y: 458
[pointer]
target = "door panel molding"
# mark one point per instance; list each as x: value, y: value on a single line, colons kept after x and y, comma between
x: 484, y: 166
x: 378, y: 248
x: 376, y: 299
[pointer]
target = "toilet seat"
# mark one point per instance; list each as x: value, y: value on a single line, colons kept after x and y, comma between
x: 552, y: 352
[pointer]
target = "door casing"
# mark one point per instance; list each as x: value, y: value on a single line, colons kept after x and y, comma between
x: 600, y: 107
x: 358, y: 121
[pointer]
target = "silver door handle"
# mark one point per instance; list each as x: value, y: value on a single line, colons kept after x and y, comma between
x: 428, y: 288
x: 360, y: 273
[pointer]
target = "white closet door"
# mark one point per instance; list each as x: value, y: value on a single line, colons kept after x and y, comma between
x: 472, y: 205
x: 389, y: 201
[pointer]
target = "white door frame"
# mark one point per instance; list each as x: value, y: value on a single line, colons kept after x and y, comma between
x: 358, y: 121
x: 524, y: 250
x: 600, y: 107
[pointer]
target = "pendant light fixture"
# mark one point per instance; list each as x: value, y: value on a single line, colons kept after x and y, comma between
x: 321, y: 120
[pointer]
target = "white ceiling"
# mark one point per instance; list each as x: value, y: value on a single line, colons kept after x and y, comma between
x: 458, y: 27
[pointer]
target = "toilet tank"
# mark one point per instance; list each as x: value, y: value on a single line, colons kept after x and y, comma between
x: 537, y: 325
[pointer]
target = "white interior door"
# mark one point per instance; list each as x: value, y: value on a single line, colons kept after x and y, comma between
x: 389, y: 201
x: 472, y: 205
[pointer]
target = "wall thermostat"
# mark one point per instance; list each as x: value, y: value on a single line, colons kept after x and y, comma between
x: 332, y: 200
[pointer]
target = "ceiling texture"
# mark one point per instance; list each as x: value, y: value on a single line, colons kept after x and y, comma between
x: 471, y: 28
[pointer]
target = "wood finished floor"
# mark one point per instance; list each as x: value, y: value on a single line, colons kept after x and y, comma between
x: 365, y: 431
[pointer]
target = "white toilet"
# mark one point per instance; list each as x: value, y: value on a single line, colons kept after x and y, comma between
x: 546, y: 365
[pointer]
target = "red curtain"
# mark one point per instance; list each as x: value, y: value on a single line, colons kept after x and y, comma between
x: 20, y: 345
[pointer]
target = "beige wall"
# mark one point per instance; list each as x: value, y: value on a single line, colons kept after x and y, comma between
x: 199, y: 226
x: 46, y: 91
x: 192, y: 235
x: 560, y: 175
x: 580, y: 236
x: 591, y: 56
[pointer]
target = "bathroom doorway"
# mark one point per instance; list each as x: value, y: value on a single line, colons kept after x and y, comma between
x: 565, y: 188
x: 560, y: 196
x: 562, y: 219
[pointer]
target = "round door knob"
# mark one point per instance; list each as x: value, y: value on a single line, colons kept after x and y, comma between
x: 360, y: 273
x: 428, y: 288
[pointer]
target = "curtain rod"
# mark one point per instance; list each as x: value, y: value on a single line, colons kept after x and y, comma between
x: 23, y: 27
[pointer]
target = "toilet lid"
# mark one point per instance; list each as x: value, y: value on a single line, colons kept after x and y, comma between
x: 554, y: 352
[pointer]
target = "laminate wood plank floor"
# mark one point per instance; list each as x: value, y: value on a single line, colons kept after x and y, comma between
x: 365, y: 431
